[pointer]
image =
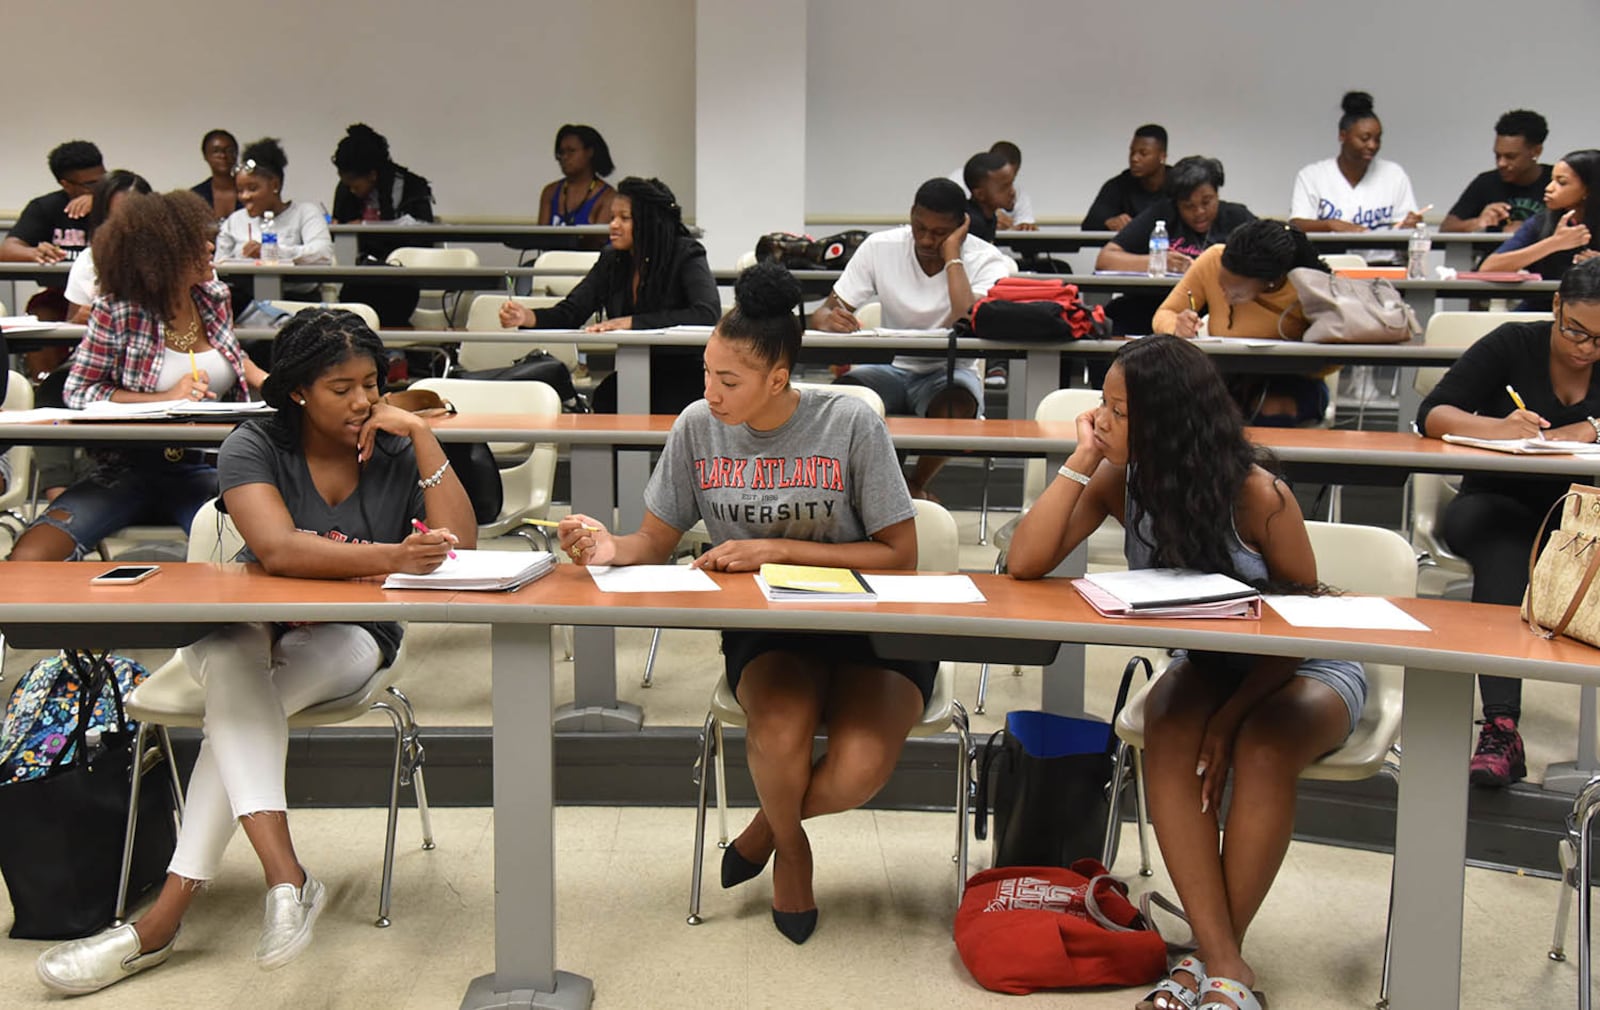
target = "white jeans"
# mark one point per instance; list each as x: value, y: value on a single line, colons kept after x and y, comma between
x: 253, y: 685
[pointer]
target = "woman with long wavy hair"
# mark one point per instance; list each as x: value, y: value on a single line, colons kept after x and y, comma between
x: 1165, y: 454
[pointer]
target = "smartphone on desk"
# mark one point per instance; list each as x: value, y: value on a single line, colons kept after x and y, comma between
x: 125, y: 575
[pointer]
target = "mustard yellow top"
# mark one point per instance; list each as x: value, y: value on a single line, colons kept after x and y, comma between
x: 1258, y: 318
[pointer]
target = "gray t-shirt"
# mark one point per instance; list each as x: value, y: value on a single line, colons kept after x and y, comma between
x: 828, y: 474
x: 380, y: 511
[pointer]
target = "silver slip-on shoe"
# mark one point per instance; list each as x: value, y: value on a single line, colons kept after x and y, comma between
x: 291, y: 912
x: 78, y: 967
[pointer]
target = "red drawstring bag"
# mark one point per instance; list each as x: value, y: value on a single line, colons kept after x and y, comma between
x: 1027, y: 308
x: 1024, y: 928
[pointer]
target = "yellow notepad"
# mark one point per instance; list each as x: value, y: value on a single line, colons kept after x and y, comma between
x: 811, y: 582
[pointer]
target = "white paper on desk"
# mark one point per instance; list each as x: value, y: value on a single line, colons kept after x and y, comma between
x: 38, y: 414
x: 202, y: 408
x: 925, y: 589
x: 1258, y: 343
x: 1526, y: 446
x: 889, y: 331
x: 22, y: 324
x: 651, y: 579
x: 1372, y: 613
x: 100, y: 409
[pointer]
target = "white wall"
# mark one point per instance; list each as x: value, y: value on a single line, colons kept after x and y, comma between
x: 902, y: 90
x: 470, y: 93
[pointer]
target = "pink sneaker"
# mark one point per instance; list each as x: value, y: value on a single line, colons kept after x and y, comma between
x: 1499, y: 759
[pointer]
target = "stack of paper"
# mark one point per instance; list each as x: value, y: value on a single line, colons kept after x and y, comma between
x: 1525, y: 446
x: 1169, y: 593
x: 170, y: 410
x: 813, y: 584
x: 480, y: 570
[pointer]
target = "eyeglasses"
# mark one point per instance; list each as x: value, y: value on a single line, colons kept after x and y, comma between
x: 1579, y: 337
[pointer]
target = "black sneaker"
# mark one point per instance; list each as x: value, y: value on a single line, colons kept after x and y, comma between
x: 1499, y: 759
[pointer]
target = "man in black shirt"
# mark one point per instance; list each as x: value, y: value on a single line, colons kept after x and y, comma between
x: 989, y: 179
x: 1138, y: 186
x: 1504, y: 198
x: 45, y: 232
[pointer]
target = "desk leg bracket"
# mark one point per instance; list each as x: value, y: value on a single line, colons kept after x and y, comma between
x: 572, y: 992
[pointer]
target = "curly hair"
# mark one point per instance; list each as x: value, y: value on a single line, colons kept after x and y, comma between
x: 144, y: 253
x: 311, y: 342
x: 1524, y: 123
x: 264, y: 157
x: 1188, y: 455
x: 657, y: 229
x: 361, y: 150
x: 1356, y: 105
x: 764, y: 315
x: 74, y: 156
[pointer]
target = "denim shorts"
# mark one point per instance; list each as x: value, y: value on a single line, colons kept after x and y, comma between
x: 138, y: 488
x: 905, y: 392
x: 1347, y: 677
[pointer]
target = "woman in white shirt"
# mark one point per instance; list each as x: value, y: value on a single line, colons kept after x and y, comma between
x: 1356, y: 191
x: 83, y: 282
x: 301, y: 225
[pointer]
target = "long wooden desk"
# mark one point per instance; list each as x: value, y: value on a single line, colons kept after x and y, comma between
x: 517, y: 236
x: 1464, y: 640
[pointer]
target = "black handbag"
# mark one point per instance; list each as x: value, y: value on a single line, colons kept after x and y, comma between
x: 1050, y: 778
x: 61, y: 848
x: 537, y: 366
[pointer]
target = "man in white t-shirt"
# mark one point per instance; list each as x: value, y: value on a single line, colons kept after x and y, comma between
x: 924, y: 275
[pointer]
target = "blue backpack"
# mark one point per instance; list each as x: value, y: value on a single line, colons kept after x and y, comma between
x: 43, y: 714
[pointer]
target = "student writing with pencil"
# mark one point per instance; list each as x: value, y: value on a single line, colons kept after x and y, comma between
x: 1523, y: 380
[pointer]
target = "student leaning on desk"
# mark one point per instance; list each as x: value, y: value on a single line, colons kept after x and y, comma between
x: 1166, y: 455
x: 1494, y: 520
x: 161, y: 330
x: 780, y: 475
x: 327, y: 488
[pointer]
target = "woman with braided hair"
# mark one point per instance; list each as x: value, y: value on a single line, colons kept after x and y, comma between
x: 653, y: 275
x: 1245, y: 285
x: 326, y: 489
x: 372, y: 188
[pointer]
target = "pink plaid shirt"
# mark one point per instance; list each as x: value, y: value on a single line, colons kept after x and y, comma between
x: 122, y: 349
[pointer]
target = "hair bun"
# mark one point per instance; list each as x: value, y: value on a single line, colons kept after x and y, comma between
x: 766, y: 290
x: 266, y: 152
x: 1356, y: 103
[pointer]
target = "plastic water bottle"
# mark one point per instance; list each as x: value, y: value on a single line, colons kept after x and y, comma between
x: 1158, y: 250
x: 1417, y: 253
x: 269, y: 237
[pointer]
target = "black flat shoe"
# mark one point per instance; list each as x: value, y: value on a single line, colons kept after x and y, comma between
x: 736, y: 869
x: 796, y: 926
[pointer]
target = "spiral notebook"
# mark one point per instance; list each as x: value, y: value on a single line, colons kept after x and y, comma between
x: 488, y: 571
x: 1169, y: 593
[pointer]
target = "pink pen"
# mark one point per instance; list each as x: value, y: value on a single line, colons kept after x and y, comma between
x: 421, y: 527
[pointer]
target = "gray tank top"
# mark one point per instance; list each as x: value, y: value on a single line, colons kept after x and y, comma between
x: 1138, y: 544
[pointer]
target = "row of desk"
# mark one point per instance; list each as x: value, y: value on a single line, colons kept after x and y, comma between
x: 52, y: 605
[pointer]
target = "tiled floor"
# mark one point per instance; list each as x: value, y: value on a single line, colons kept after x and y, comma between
x: 884, y: 884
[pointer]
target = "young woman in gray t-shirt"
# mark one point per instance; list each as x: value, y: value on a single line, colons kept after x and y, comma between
x: 781, y: 475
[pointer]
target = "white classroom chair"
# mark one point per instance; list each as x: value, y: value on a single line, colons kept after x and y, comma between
x: 367, y: 313
x: 484, y: 317
x: 15, y: 507
x: 1343, y: 261
x: 432, y: 312
x: 577, y: 262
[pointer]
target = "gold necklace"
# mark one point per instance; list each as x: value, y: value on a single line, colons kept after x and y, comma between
x: 185, y: 341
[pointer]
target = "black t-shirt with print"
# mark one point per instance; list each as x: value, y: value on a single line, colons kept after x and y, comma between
x: 1121, y: 194
x: 1135, y: 235
x: 45, y: 219
x: 1487, y: 188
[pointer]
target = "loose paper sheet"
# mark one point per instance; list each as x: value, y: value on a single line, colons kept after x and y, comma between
x: 651, y: 579
x: 1358, y: 612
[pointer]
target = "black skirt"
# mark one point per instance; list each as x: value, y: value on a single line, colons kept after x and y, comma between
x: 740, y: 647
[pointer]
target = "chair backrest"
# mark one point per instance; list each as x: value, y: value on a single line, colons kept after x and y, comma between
x: 870, y: 316
x: 1371, y: 561
x: 746, y: 260
x: 1343, y: 261
x: 1430, y: 493
x: 868, y: 396
x: 19, y: 393
x: 527, y: 485
x: 428, y: 258
x: 938, y: 540
x: 212, y: 535
x: 578, y: 264
x: 368, y: 314
x: 485, y: 317
x: 1462, y: 329
x: 1059, y: 405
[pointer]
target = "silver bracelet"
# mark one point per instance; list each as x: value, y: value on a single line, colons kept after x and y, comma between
x: 954, y: 263
x: 438, y: 476
x: 1071, y: 474
x: 1594, y: 423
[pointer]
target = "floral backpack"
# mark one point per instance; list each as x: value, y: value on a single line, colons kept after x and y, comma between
x: 43, y: 713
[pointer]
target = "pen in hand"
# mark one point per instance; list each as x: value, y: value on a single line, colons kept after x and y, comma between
x: 551, y: 524
x: 421, y: 527
x: 1521, y: 406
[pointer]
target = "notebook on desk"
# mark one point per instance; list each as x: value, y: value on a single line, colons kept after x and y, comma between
x: 487, y: 571
x: 1169, y: 593
x: 813, y: 584
x: 1527, y: 446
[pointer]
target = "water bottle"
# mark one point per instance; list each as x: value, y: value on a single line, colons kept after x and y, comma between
x: 269, y: 237
x: 1417, y: 253
x: 92, y: 738
x: 1158, y: 250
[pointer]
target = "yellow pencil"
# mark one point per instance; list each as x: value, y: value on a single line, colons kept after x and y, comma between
x: 194, y: 369
x: 1191, y: 299
x: 553, y: 525
x: 1520, y: 405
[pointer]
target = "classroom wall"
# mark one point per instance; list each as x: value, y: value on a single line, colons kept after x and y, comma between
x: 469, y: 94
x: 901, y: 90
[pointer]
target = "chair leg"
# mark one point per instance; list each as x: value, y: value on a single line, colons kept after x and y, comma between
x: 964, y: 758
x: 1388, y: 947
x: 1567, y: 856
x: 708, y: 735
x: 1113, y: 837
x: 650, y: 658
x: 983, y: 505
x: 1585, y: 909
x: 723, y: 840
x: 411, y: 770
x: 983, y: 687
x: 135, y: 775
x: 386, y: 889
x: 1142, y: 813
x: 165, y: 740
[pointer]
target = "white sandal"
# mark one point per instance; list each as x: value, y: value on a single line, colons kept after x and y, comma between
x: 1174, y: 995
x: 1240, y: 994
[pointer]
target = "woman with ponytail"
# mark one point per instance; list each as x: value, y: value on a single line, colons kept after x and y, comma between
x: 325, y: 489
x: 654, y: 274
x: 1357, y: 190
x: 847, y: 506
x: 1243, y: 290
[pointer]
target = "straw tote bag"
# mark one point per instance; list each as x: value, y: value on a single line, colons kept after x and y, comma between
x: 1561, y: 597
